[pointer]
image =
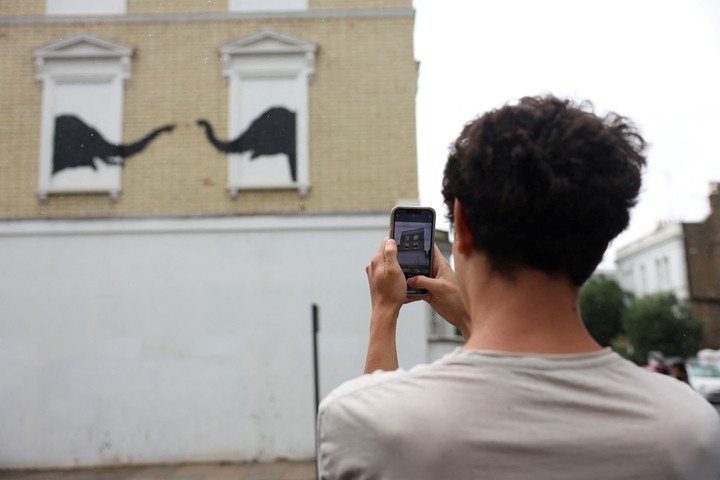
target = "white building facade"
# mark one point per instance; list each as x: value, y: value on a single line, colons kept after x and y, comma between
x: 175, y: 340
x: 655, y: 263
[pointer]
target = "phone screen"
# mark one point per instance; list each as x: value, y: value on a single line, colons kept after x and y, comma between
x: 413, y: 230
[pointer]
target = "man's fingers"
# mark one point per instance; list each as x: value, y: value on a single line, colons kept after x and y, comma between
x: 379, y: 257
x: 422, y: 282
x: 438, y: 259
x: 381, y: 249
x: 415, y: 298
x: 390, y: 252
x: 438, y: 254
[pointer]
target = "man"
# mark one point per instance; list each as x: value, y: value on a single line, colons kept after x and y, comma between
x: 535, y: 191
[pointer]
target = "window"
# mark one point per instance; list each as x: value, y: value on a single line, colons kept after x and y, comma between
x: 659, y: 268
x: 662, y: 266
x: 85, y: 7
x: 83, y: 78
x: 266, y: 5
x: 643, y: 280
x: 268, y: 76
x: 626, y: 278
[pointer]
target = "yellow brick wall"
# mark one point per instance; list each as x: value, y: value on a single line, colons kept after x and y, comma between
x: 318, y: 4
x: 37, y: 7
x: 362, y: 119
x: 176, y: 6
x: 22, y: 7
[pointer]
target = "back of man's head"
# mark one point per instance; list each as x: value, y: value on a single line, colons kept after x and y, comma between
x: 545, y: 184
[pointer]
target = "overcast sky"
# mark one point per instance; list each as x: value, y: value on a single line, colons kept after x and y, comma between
x: 655, y: 61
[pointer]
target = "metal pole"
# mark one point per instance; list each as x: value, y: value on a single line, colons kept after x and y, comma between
x: 316, y: 328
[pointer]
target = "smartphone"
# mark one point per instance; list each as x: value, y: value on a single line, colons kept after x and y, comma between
x: 413, y: 229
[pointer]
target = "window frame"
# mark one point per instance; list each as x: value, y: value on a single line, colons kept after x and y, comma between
x: 270, y: 54
x: 71, y: 60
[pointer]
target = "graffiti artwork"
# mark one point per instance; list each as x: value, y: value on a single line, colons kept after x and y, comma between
x: 271, y: 133
x: 78, y: 144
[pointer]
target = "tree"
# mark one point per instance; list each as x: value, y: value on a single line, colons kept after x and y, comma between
x: 621, y: 346
x: 661, y: 322
x: 602, y: 304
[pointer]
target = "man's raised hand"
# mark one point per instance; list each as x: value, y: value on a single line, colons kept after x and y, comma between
x: 387, y: 280
x: 443, y: 294
x: 387, y: 294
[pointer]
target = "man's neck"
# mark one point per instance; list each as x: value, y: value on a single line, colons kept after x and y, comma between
x: 533, y: 313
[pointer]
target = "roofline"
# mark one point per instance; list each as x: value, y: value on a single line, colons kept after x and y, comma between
x: 667, y: 233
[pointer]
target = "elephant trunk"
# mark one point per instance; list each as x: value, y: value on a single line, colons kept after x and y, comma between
x: 130, y: 150
x: 227, y: 147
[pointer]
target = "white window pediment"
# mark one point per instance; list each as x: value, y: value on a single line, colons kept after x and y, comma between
x: 80, y: 47
x: 267, y: 41
x: 271, y: 44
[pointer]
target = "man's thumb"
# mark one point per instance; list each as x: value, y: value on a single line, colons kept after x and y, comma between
x: 390, y: 252
x: 421, y: 281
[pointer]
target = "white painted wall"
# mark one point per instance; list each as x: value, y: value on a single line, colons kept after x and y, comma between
x: 655, y: 263
x: 266, y: 5
x: 141, y: 341
x: 86, y: 7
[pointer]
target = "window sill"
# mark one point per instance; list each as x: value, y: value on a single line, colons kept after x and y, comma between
x: 303, y: 189
x: 44, y: 194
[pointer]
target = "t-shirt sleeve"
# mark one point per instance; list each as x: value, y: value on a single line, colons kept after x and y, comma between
x: 359, y: 383
x: 347, y: 442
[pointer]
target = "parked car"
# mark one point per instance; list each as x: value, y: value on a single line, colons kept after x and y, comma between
x: 706, y: 380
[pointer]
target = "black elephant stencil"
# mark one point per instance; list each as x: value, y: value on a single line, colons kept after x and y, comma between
x: 272, y: 132
x: 77, y: 144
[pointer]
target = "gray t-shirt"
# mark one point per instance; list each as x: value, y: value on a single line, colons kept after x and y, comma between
x: 482, y: 414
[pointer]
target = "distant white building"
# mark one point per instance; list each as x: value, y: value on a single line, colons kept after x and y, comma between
x: 606, y: 272
x: 443, y: 337
x: 655, y: 263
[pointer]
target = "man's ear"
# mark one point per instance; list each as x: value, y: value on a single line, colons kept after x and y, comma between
x: 463, y: 237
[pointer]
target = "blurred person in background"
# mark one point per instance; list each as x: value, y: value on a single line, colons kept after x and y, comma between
x: 679, y: 372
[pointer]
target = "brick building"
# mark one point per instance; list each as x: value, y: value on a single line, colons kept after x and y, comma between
x: 702, y: 241
x: 682, y: 258
x: 360, y: 102
x: 181, y: 181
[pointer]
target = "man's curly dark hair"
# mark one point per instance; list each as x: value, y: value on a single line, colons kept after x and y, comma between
x: 546, y: 184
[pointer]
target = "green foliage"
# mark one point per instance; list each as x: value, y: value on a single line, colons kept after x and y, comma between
x: 634, y: 327
x: 661, y: 322
x: 621, y: 345
x: 602, y: 305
